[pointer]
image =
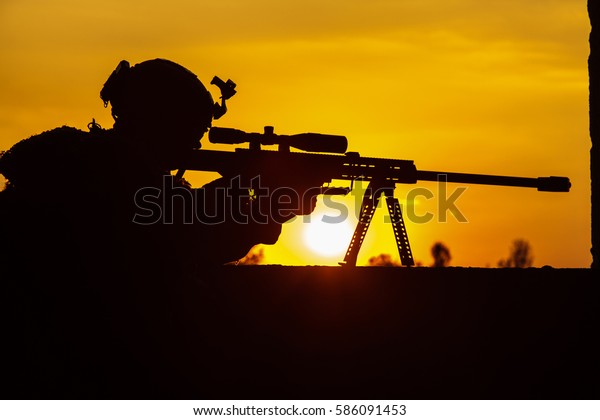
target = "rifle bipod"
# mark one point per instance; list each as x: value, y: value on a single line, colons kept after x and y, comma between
x: 367, y: 210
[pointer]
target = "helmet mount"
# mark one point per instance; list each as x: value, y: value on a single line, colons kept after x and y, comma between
x: 227, y: 91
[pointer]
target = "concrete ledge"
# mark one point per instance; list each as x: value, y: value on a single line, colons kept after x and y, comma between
x: 271, y: 332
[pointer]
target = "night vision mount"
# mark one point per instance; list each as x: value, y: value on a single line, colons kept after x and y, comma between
x: 227, y: 91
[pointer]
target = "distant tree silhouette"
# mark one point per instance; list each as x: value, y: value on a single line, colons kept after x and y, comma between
x: 254, y: 257
x: 441, y: 255
x: 383, y: 260
x: 520, y: 255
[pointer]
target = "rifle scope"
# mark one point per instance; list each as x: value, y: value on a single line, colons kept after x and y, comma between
x: 309, y: 142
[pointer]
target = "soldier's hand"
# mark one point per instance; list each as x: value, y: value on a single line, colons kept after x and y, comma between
x: 274, y: 198
x: 290, y: 201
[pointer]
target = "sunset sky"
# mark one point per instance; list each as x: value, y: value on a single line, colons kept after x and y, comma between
x: 495, y: 87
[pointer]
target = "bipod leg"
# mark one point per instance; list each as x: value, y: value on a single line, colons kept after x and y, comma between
x: 367, y: 209
x: 400, y: 233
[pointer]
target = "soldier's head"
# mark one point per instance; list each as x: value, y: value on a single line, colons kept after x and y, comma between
x: 159, y: 103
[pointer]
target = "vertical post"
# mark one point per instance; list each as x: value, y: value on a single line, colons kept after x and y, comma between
x: 594, y: 75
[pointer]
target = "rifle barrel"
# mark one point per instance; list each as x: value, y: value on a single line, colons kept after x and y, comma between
x: 551, y: 183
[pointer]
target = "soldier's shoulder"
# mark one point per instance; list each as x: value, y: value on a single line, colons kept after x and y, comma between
x: 49, y: 153
x: 50, y: 141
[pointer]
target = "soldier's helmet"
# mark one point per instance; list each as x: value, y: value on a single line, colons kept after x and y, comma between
x: 161, y: 101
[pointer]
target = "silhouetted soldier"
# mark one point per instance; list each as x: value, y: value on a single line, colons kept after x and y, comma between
x: 93, y: 227
x: 88, y: 180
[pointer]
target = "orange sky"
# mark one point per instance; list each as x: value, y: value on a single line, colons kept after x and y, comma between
x: 462, y: 85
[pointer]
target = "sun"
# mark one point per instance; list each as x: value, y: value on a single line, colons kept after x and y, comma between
x: 327, y: 237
